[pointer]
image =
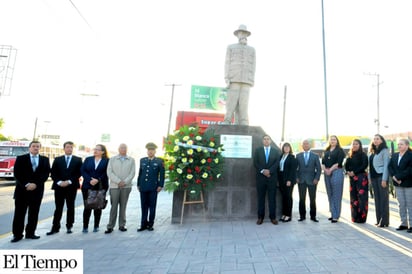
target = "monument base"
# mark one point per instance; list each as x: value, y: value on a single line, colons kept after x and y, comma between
x: 234, y: 196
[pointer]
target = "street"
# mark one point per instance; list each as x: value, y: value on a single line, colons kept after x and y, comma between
x: 7, y: 205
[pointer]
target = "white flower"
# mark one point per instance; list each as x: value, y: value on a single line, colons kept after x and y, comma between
x: 185, y: 138
x: 217, y: 176
x: 204, y: 175
x: 203, y: 161
x: 192, y: 128
x: 184, y: 160
x: 189, y: 176
x: 211, y: 144
x: 176, y: 141
x: 199, y: 149
x: 176, y: 148
x: 198, y: 138
x: 180, y: 171
x: 190, y: 151
x: 190, y: 142
x: 217, y: 160
x: 190, y: 160
x: 176, y: 183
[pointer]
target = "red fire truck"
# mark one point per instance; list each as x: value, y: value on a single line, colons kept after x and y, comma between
x: 9, y: 150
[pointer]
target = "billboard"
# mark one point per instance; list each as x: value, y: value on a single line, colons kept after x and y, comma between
x: 212, y: 98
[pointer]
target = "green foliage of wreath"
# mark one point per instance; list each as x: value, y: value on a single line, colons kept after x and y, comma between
x: 193, y: 159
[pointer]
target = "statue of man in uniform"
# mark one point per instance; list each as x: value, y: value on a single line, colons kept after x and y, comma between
x: 239, y: 76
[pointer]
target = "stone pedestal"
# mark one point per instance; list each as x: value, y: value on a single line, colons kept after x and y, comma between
x: 234, y: 196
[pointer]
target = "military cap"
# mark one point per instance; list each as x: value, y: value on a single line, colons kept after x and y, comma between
x: 151, y: 145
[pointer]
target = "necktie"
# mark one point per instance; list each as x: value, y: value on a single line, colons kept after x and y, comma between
x: 267, y: 154
x: 306, y: 157
x: 34, y: 162
x: 67, y: 161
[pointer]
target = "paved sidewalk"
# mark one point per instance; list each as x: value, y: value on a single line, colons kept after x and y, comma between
x: 234, y: 246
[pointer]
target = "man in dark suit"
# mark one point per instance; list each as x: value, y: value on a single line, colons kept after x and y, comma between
x: 31, y: 171
x: 150, y: 182
x: 266, y: 162
x: 308, y: 174
x: 66, y: 174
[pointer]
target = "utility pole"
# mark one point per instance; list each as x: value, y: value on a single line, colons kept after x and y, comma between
x: 378, y: 118
x: 284, y: 115
x: 171, y: 106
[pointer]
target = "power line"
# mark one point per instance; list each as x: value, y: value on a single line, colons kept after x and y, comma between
x: 81, y: 15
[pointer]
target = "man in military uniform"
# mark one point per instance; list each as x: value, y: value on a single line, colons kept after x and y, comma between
x: 239, y: 77
x: 149, y: 182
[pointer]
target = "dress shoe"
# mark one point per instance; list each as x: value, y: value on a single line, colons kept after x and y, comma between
x: 409, y: 230
x: 402, y: 227
x: 314, y: 220
x: 274, y: 221
x: 16, y: 239
x: 259, y: 221
x: 334, y: 221
x: 330, y: 219
x: 52, y: 232
x: 109, y: 230
x: 150, y: 228
x: 286, y: 219
x: 96, y: 229
x: 33, y: 237
x: 122, y: 228
x: 85, y: 230
x: 142, y: 229
x: 69, y: 231
x: 382, y: 225
x: 301, y: 219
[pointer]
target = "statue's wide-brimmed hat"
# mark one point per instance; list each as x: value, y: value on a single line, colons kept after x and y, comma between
x: 244, y: 29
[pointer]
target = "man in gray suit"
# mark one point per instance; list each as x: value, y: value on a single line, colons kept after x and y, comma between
x: 308, y: 174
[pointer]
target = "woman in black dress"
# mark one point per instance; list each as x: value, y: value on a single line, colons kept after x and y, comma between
x: 355, y: 166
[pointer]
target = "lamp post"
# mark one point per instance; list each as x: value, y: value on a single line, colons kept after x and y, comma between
x: 324, y: 74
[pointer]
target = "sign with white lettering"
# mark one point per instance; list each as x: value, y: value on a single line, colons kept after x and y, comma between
x: 213, y: 98
x: 236, y: 146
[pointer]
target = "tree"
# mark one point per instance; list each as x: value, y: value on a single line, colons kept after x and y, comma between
x: 2, y: 137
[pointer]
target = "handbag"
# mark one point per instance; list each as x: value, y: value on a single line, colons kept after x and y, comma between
x: 96, y: 199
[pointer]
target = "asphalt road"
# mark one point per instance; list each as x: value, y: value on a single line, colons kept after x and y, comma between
x: 7, y: 205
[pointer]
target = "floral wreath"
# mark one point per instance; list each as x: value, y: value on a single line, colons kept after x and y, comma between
x: 193, y: 159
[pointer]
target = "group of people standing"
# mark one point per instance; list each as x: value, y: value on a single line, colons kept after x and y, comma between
x: 70, y: 172
x: 282, y: 170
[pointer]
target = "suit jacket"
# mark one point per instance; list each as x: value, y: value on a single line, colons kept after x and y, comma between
x: 289, y: 169
x: 259, y: 161
x: 403, y: 170
x: 381, y: 162
x: 309, y: 172
x: 88, y: 171
x: 151, y: 174
x: 60, y: 171
x: 24, y: 174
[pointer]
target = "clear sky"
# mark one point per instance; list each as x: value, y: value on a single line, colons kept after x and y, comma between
x: 128, y: 51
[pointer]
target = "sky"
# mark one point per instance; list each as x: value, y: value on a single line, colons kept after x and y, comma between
x: 123, y: 55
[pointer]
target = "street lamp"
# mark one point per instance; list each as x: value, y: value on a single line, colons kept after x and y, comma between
x: 324, y: 75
